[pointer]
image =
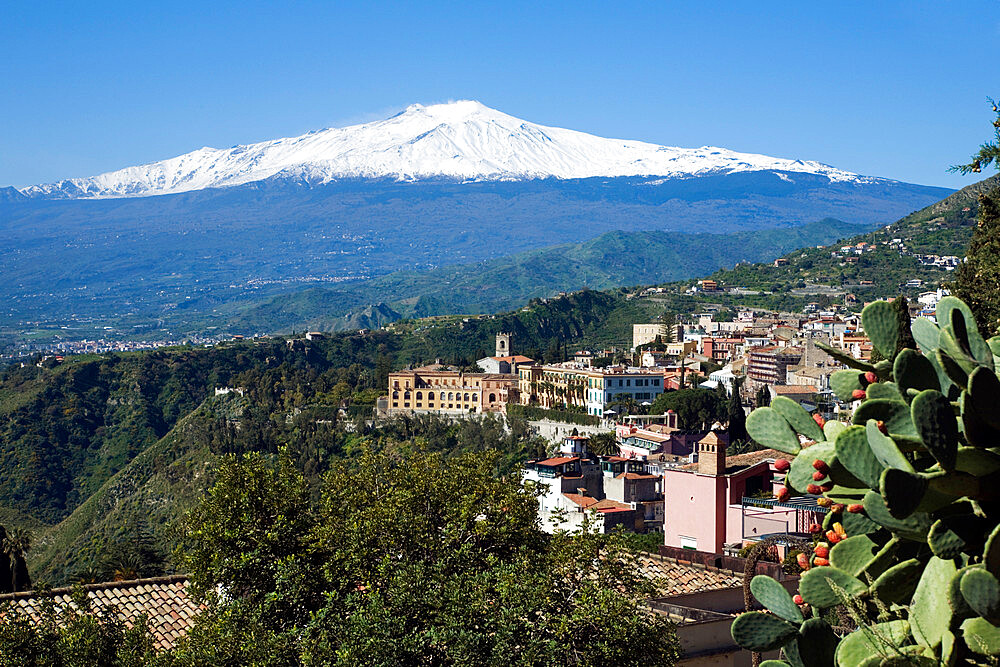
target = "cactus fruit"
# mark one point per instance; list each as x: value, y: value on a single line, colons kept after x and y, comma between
x: 782, y: 494
x: 914, y: 490
x: 782, y: 465
x: 843, y: 383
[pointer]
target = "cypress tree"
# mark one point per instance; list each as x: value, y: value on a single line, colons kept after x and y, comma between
x: 977, y: 280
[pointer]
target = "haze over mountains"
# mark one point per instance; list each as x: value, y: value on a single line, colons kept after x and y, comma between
x: 432, y: 187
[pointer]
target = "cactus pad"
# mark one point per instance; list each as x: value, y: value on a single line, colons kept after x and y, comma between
x: 797, y: 417
x: 815, y: 586
x: 981, y: 591
x: 844, y: 383
x: 854, y: 453
x: 880, y: 323
x: 885, y: 449
x: 761, y: 631
x: 934, y: 420
x: 984, y: 396
x: 880, y: 640
x: 912, y: 370
x: 929, y: 618
x: 896, y: 585
x: 854, y: 554
x: 770, y: 429
x: 981, y: 636
x: 895, y: 414
x: 773, y: 595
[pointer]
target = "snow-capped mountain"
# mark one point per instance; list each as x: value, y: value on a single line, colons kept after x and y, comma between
x: 462, y: 140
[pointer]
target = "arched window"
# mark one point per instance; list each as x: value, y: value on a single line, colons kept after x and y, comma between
x: 395, y: 394
x: 420, y: 395
x: 493, y: 398
x: 466, y: 397
x: 451, y: 396
x: 442, y: 395
x: 475, y: 397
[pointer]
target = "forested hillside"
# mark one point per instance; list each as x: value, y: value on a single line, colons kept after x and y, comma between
x: 943, y: 228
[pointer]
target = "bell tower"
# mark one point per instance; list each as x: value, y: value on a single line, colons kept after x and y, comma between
x: 503, y: 345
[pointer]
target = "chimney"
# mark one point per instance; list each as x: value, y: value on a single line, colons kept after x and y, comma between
x: 582, y: 490
x: 711, y: 455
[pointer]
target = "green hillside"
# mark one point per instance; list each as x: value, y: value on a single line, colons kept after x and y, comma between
x: 612, y: 260
x: 943, y: 228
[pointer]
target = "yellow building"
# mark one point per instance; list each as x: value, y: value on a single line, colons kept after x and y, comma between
x: 449, y: 391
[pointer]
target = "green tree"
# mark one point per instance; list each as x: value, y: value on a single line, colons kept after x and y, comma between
x: 977, y: 280
x: 696, y: 408
x: 736, y: 416
x: 73, y: 635
x: 412, y: 558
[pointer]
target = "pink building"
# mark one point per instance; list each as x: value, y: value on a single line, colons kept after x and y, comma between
x: 704, y: 506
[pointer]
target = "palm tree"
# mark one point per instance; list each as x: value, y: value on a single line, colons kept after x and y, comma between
x: 17, y: 543
x: 6, y: 577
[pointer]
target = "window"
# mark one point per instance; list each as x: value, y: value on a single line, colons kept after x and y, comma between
x: 451, y: 396
x: 395, y: 394
x: 420, y: 395
x: 493, y: 398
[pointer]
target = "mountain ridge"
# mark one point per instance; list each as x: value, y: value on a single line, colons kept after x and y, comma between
x: 463, y: 140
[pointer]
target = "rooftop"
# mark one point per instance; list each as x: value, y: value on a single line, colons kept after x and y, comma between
x: 164, y: 600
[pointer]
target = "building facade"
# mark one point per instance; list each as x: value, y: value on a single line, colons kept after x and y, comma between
x: 449, y: 392
x: 593, y: 389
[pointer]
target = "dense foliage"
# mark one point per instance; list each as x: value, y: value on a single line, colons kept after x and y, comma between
x: 907, y: 572
x: 977, y: 281
x: 697, y: 409
x: 411, y: 559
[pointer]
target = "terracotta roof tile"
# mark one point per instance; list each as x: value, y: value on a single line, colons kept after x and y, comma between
x: 674, y: 577
x: 164, y: 600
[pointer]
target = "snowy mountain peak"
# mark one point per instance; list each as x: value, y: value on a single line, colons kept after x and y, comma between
x: 463, y: 140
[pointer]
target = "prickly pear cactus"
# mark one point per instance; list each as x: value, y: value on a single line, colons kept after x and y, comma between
x: 910, y: 550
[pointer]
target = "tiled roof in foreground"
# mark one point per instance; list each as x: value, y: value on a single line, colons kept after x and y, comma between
x: 164, y: 600
x: 673, y: 577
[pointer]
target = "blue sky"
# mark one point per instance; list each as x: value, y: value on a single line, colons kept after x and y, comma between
x: 893, y: 89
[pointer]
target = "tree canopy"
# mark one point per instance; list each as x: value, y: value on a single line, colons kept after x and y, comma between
x: 411, y: 559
